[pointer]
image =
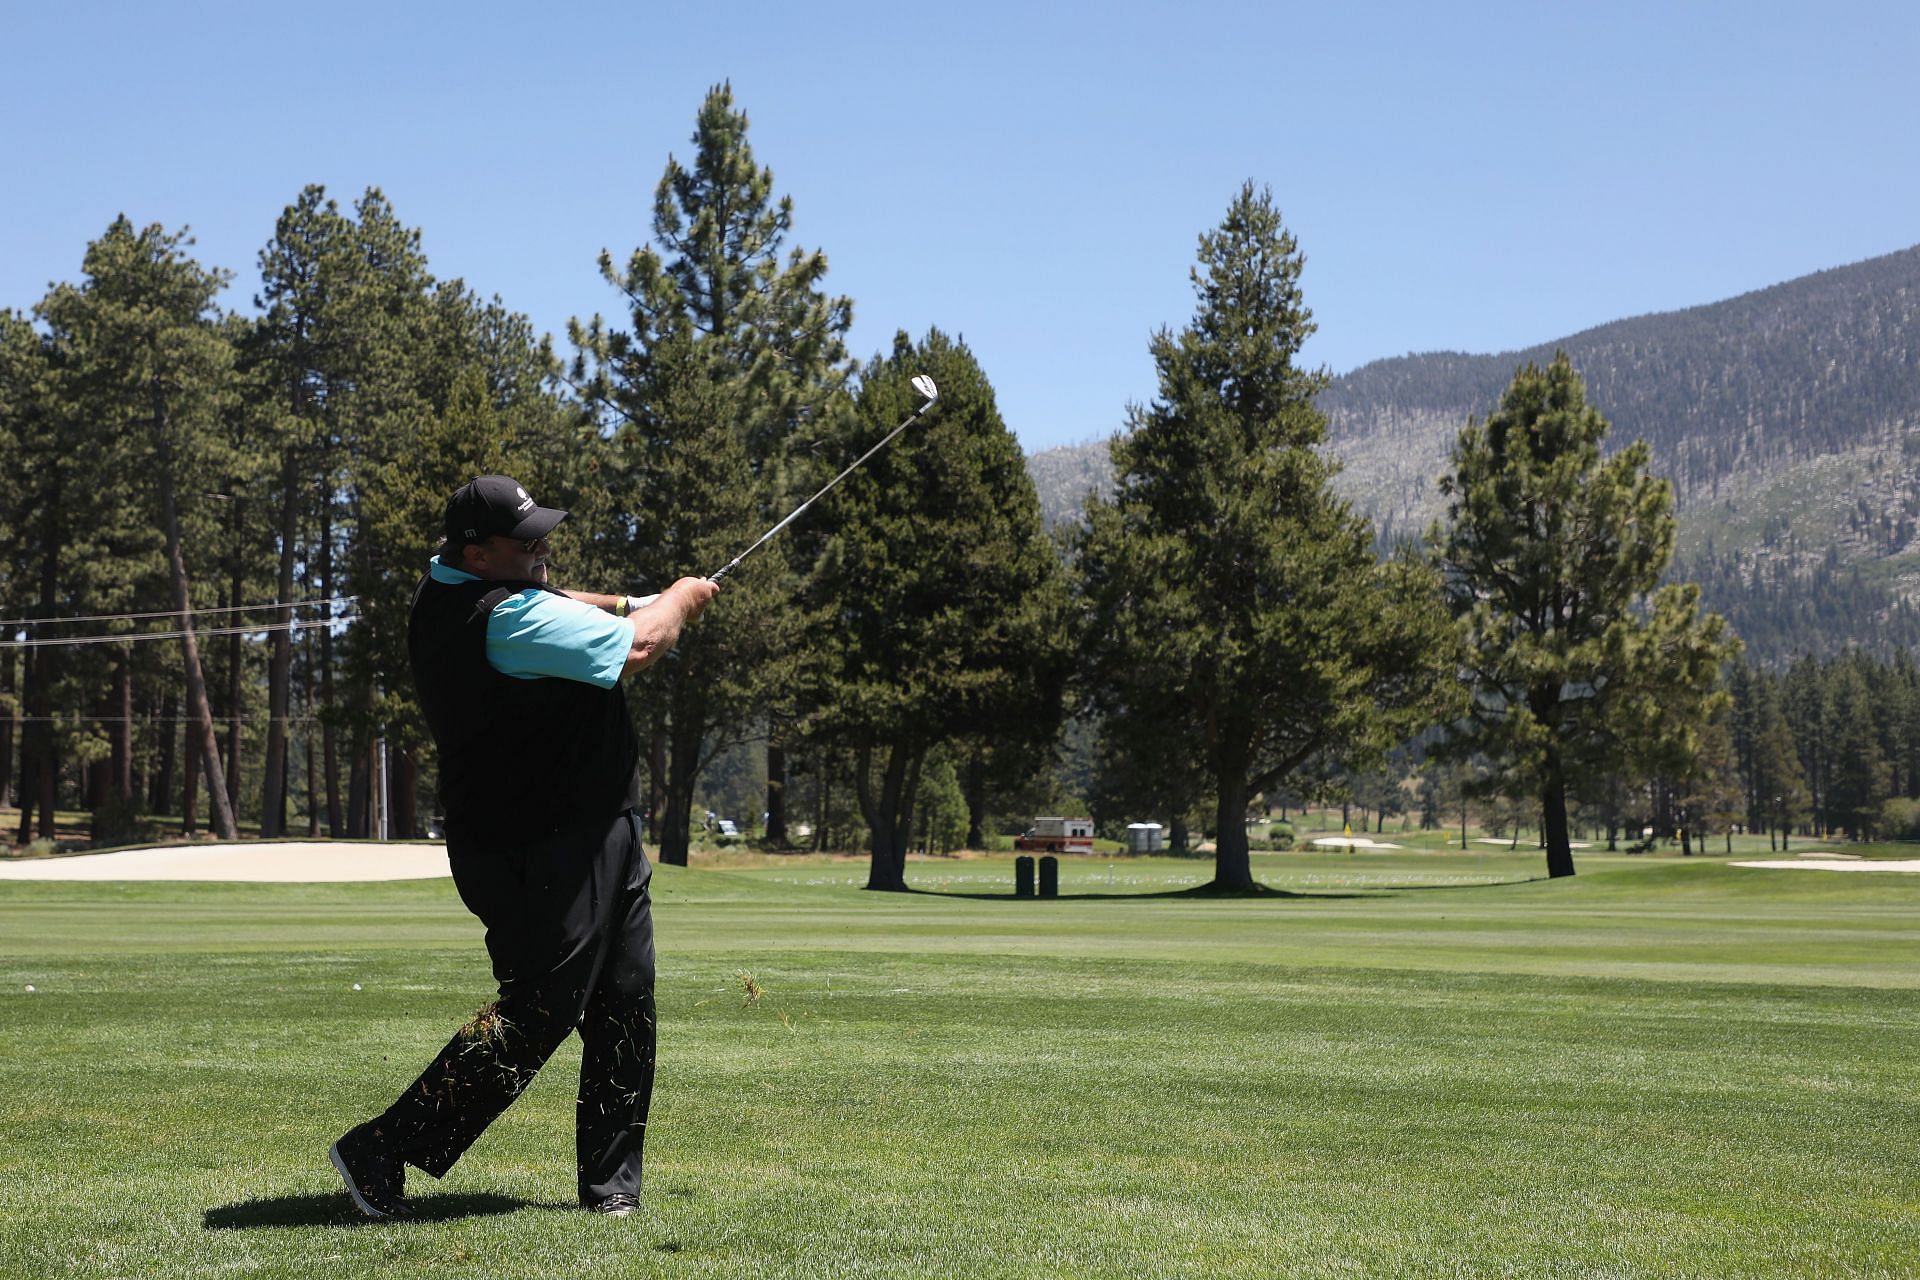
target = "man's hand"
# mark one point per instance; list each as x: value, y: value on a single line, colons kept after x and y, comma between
x: 656, y: 627
x: 696, y: 592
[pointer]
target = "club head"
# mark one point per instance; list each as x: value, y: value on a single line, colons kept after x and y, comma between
x: 924, y: 385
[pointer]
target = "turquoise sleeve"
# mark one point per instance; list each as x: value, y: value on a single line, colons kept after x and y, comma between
x: 537, y: 634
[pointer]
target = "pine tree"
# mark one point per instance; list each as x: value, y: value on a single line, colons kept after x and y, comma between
x: 732, y: 350
x: 1551, y: 556
x: 25, y: 372
x: 939, y: 607
x: 299, y: 355
x: 1778, y: 782
x: 1861, y: 780
x: 144, y: 353
x: 1232, y: 600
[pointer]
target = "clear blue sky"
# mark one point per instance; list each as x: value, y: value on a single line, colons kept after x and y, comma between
x: 1032, y: 177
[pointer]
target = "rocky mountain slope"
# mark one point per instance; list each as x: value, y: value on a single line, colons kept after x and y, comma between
x: 1787, y: 418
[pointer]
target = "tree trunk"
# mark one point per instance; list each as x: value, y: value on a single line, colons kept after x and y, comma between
x: 656, y: 783
x: 37, y: 743
x: 824, y: 785
x: 234, y: 669
x: 676, y: 828
x: 306, y: 738
x: 329, y: 738
x: 190, y: 783
x: 160, y: 785
x: 35, y: 738
x: 1177, y: 834
x: 888, y: 868
x: 47, y: 779
x: 976, y: 789
x: 273, y: 785
x: 405, y: 773
x: 198, y: 707
x: 1232, y: 867
x: 776, y: 832
x: 1553, y: 817
x: 360, y: 790
x: 909, y: 797
x: 7, y: 720
x: 122, y: 736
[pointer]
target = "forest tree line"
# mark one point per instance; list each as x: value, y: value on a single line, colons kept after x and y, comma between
x: 258, y: 493
x: 211, y: 521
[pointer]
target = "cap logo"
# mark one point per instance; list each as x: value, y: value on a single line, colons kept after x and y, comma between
x: 521, y: 492
x: 523, y: 506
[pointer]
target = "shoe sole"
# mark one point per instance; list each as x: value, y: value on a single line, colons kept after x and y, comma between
x: 353, y: 1189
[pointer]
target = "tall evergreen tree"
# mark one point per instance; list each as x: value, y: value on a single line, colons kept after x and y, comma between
x: 1804, y: 692
x: 1232, y: 599
x: 939, y: 607
x: 141, y: 339
x: 1861, y: 780
x: 732, y: 349
x: 24, y: 374
x: 1779, y: 784
x: 1551, y: 555
x: 301, y: 354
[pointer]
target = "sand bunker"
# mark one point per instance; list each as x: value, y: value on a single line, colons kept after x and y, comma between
x: 1841, y: 862
x: 1351, y: 842
x: 289, y: 862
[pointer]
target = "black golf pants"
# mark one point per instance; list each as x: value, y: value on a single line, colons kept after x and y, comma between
x: 570, y: 933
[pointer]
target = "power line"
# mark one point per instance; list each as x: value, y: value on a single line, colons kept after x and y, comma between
x: 173, y: 613
x: 217, y: 720
x: 293, y: 625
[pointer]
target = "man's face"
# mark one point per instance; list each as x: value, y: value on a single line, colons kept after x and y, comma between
x: 500, y: 559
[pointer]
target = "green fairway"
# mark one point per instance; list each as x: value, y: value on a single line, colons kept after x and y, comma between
x: 1407, y: 1064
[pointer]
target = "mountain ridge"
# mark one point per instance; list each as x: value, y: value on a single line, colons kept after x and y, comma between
x: 1741, y: 401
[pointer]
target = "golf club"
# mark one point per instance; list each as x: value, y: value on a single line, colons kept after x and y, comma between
x: 921, y: 383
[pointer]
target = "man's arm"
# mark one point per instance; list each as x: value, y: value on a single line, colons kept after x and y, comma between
x: 656, y: 627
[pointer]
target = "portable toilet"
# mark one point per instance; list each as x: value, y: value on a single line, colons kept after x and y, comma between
x: 1143, y: 837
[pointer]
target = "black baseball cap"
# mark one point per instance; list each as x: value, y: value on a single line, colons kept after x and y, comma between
x: 496, y: 506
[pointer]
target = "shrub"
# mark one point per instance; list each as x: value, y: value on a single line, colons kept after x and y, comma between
x: 1900, y: 819
x: 1270, y: 838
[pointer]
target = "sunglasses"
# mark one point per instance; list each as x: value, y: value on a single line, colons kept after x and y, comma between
x: 529, y: 545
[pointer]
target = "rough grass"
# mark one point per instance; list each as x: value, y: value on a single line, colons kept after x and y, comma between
x: 1421, y: 1065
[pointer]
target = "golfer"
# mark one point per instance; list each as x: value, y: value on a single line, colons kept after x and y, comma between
x: 520, y: 682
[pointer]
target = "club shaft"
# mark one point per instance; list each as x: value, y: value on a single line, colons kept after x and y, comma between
x: 794, y: 514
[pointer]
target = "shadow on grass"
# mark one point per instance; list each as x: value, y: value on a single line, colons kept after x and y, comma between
x: 334, y: 1209
x: 1258, y: 891
x: 1195, y: 891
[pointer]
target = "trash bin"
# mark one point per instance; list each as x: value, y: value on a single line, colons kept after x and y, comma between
x: 1049, y: 877
x: 1023, y: 876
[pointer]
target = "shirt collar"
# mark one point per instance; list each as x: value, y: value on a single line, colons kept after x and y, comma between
x: 446, y: 573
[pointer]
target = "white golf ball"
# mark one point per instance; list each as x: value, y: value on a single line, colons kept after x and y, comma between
x: 356, y: 986
x: 29, y: 986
